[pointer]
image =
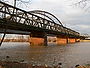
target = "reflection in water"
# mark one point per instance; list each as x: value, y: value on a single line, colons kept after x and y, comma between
x: 69, y: 55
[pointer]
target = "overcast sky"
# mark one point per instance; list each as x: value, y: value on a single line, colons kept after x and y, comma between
x: 71, y: 16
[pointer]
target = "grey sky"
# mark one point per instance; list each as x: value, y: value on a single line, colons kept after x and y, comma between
x: 71, y: 16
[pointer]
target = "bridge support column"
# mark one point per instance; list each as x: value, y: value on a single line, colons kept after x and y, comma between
x: 61, y: 40
x: 71, y: 40
x: 37, y: 39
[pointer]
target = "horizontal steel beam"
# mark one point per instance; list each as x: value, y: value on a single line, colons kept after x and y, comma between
x: 8, y: 31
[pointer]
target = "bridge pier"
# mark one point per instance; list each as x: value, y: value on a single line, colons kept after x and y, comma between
x: 61, y: 40
x: 38, y: 38
x: 71, y: 40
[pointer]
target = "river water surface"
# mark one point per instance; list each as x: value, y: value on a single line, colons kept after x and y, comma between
x: 69, y: 55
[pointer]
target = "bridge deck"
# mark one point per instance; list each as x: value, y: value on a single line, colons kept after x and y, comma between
x: 18, y: 28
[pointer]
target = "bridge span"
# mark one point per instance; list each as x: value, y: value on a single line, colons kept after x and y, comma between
x: 38, y: 24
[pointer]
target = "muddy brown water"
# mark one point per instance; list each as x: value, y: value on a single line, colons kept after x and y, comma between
x: 69, y: 55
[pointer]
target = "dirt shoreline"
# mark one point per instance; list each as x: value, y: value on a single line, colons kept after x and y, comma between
x: 7, y: 64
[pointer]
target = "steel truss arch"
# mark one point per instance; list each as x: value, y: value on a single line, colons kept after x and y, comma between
x: 48, y: 15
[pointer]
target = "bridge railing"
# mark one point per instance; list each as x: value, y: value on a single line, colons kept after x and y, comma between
x: 20, y: 16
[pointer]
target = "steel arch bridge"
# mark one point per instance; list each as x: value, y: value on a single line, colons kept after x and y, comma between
x: 12, y: 18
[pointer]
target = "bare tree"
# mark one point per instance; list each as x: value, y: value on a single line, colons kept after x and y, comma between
x: 19, y: 3
x: 83, y: 4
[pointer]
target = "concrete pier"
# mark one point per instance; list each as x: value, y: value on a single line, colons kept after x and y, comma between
x: 61, y: 41
x: 71, y: 40
x: 38, y: 39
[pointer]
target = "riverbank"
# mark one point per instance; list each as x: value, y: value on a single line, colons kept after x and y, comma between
x: 6, y: 64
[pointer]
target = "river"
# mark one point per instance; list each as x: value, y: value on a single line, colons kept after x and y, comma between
x: 69, y: 55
